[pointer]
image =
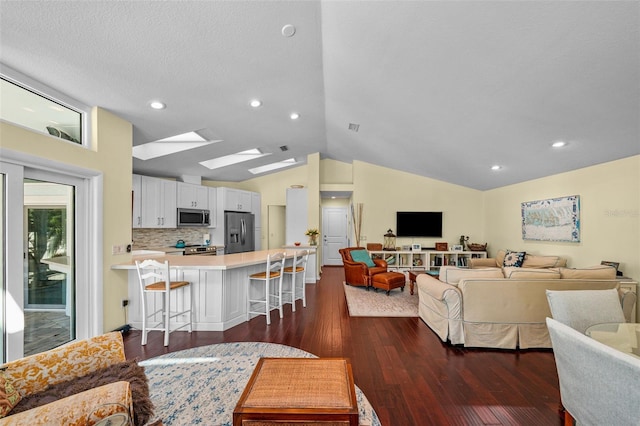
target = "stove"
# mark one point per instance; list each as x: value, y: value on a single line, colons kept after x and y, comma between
x: 191, y: 250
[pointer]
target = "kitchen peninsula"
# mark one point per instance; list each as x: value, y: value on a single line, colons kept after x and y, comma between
x: 219, y: 286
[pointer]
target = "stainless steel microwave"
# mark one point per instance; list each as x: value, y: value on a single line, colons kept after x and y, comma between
x: 194, y: 217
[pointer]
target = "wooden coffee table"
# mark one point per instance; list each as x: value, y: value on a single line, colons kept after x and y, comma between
x: 414, y: 273
x: 299, y: 390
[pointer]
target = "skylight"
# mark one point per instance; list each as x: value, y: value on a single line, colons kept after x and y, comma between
x: 273, y: 166
x: 238, y: 157
x: 170, y: 145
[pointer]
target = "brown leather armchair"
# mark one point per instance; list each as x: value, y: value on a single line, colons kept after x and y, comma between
x: 358, y: 273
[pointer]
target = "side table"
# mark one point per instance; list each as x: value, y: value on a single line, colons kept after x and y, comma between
x: 299, y: 390
x: 413, y: 274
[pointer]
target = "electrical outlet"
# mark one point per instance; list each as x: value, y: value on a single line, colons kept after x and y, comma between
x: 119, y: 249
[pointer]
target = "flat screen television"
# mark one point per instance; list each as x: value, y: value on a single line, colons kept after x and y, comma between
x: 419, y: 224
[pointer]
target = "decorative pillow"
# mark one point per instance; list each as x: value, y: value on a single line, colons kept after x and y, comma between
x: 600, y: 272
x: 362, y: 256
x: 500, y: 257
x: 514, y: 258
x: 536, y: 261
x: 531, y: 273
x: 452, y: 275
x: 9, y: 396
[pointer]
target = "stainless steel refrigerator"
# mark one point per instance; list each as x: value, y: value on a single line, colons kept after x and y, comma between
x: 238, y: 232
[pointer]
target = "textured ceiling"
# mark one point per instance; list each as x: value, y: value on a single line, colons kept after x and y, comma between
x: 439, y: 89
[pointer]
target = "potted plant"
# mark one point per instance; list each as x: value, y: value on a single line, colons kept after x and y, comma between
x: 312, y: 233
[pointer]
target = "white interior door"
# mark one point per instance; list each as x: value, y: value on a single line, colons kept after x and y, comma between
x: 334, y: 234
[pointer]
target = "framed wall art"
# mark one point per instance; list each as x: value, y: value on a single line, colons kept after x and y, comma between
x: 554, y: 219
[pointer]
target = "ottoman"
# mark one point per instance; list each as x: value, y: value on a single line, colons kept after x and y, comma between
x: 388, y: 281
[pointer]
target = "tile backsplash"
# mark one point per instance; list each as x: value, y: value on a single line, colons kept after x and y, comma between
x: 146, y: 238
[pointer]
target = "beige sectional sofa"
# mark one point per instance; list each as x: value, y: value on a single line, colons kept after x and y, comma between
x: 504, y: 307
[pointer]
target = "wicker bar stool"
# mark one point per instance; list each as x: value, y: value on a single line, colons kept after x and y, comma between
x: 154, y: 277
x: 266, y: 299
x: 297, y: 289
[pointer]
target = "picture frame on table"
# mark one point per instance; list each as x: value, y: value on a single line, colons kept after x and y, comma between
x: 610, y: 263
x: 416, y: 247
x: 442, y: 246
x: 457, y: 247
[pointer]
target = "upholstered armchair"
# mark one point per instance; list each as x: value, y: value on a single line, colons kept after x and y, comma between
x: 358, y: 273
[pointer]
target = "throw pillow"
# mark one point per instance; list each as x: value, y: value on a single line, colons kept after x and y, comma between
x: 531, y: 273
x: 128, y: 370
x: 598, y: 272
x: 514, y: 258
x: 9, y: 396
x: 362, y: 256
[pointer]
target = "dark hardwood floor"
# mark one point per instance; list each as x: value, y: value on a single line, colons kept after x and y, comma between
x: 409, y: 376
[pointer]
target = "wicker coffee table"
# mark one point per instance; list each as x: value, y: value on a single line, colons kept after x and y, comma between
x: 310, y: 390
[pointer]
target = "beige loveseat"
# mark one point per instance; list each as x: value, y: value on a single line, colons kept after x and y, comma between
x: 504, y: 307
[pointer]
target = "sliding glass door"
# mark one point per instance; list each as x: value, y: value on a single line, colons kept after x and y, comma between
x: 49, y: 281
x: 41, y: 212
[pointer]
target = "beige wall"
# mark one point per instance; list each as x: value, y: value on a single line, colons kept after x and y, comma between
x: 609, y: 214
x: 384, y: 191
x: 111, y: 155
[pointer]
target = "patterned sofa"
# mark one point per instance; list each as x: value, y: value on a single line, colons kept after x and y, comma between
x: 34, y: 373
x: 504, y: 307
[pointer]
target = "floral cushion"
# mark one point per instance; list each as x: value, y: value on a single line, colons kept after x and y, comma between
x: 9, y: 396
x: 514, y: 258
x: 34, y: 373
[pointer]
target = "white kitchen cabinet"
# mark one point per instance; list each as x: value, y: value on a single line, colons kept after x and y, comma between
x: 213, y: 206
x: 256, y: 209
x: 296, y: 215
x: 191, y: 196
x: 136, y: 191
x: 236, y: 200
x: 158, y: 206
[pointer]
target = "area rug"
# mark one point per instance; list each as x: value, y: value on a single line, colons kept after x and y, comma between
x: 363, y: 303
x: 202, y: 385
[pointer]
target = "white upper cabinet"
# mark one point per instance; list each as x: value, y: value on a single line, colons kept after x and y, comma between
x: 158, y: 203
x: 191, y: 196
x: 136, y: 220
x: 236, y: 200
x: 213, y: 206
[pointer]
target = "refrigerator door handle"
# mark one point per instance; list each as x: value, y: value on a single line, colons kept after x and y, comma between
x: 243, y: 230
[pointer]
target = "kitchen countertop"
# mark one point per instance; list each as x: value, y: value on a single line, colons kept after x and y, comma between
x: 220, y: 262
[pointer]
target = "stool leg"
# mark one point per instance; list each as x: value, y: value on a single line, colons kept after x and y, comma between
x: 293, y: 290
x: 167, y: 317
x: 267, y: 301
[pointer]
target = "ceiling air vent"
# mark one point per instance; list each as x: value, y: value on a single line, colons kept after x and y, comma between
x: 284, y: 148
x: 354, y: 127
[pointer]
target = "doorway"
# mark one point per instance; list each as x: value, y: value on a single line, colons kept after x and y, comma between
x: 46, y: 251
x: 334, y: 234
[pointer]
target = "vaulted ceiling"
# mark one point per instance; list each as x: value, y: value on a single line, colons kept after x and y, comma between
x: 442, y: 89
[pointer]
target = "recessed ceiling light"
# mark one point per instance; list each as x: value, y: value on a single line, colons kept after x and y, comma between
x: 294, y: 116
x: 496, y: 167
x: 255, y: 103
x: 157, y: 105
x: 559, y: 144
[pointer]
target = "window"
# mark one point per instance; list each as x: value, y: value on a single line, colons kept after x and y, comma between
x: 29, y: 107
